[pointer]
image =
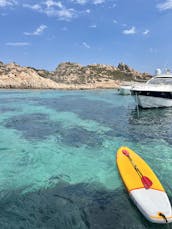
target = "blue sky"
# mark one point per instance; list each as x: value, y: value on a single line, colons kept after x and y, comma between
x: 44, y: 33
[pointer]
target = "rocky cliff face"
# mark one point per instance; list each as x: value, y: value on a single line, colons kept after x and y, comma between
x: 75, y: 73
x: 68, y: 76
x: 15, y: 76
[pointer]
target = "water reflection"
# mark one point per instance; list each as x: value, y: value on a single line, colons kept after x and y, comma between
x: 151, y: 124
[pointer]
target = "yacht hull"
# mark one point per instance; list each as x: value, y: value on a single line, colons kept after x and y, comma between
x: 152, y: 102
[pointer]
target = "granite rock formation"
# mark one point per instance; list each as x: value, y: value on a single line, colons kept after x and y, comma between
x: 67, y: 76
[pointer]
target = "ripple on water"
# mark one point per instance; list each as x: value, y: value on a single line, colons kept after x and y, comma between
x: 71, y: 206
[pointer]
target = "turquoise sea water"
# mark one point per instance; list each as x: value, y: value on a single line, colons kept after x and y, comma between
x: 57, y: 158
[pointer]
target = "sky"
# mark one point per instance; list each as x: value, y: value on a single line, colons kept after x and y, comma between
x: 43, y: 34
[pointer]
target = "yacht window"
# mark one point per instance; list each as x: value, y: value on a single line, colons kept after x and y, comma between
x: 163, y: 80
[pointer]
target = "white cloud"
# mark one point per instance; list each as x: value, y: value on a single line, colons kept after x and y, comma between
x: 93, y: 26
x: 66, y: 14
x: 3, y: 14
x: 57, y: 9
x: 115, y: 21
x: 146, y: 32
x: 88, y: 11
x: 85, y: 45
x: 167, y: 5
x: 82, y: 2
x: 36, y: 7
x: 5, y: 3
x: 96, y: 2
x: 114, y: 5
x: 132, y: 30
x: 17, y: 44
x: 54, y: 9
x: 37, y: 32
x: 51, y: 3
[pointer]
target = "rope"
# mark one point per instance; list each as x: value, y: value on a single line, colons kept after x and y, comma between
x: 163, y: 216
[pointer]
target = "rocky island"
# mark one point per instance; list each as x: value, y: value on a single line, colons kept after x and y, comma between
x: 68, y: 76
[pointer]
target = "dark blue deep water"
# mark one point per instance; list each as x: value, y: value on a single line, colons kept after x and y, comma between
x: 57, y: 158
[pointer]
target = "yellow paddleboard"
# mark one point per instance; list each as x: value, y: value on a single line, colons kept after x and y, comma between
x: 143, y: 186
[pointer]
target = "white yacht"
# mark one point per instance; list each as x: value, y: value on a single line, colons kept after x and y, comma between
x: 124, y: 90
x: 156, y: 92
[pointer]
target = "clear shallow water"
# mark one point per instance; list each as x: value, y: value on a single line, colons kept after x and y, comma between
x: 57, y: 158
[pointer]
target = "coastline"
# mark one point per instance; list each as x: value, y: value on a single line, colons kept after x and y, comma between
x: 63, y: 86
x: 68, y: 76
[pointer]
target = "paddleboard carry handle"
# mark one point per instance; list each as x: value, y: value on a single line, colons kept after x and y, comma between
x: 145, y: 180
x: 163, y: 216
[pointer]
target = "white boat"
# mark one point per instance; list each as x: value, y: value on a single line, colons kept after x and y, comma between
x: 124, y: 90
x: 156, y: 92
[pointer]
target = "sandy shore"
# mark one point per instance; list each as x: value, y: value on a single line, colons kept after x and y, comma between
x: 97, y: 85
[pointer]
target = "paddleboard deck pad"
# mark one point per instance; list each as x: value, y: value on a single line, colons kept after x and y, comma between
x: 152, y: 201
